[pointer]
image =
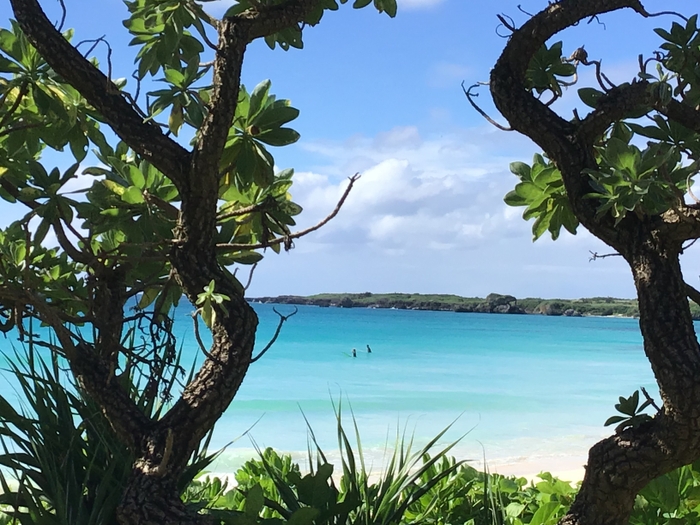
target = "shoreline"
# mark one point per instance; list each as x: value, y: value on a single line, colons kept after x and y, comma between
x: 493, y: 303
x: 570, y: 469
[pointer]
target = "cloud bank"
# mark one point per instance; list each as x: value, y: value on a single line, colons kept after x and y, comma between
x: 428, y: 216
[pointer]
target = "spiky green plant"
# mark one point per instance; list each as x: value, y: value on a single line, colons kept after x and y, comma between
x: 61, y: 462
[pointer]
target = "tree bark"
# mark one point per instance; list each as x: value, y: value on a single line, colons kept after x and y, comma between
x: 621, y: 465
x: 163, y: 447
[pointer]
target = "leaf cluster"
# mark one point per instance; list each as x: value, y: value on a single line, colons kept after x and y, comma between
x: 541, y: 191
x: 291, y: 37
x: 629, y: 179
x: 632, y: 413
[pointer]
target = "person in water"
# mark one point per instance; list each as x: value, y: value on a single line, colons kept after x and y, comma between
x: 354, y: 352
x: 369, y: 350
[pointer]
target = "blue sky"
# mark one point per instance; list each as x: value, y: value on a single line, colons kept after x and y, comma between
x: 382, y: 97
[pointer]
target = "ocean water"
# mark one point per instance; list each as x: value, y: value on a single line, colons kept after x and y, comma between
x: 521, y: 387
x: 515, y: 388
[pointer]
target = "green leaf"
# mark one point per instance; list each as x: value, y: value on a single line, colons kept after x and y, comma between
x: 149, y: 295
x: 303, y: 516
x: 136, y: 177
x: 208, y: 313
x: 513, y: 199
x: 174, y: 76
x: 520, y: 169
x: 246, y: 257
x: 254, y: 500
x: 546, y: 514
x: 133, y: 195
x: 279, y: 137
x: 589, y: 96
x: 275, y: 115
x: 258, y: 98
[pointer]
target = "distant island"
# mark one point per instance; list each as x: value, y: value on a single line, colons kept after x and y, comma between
x: 493, y: 303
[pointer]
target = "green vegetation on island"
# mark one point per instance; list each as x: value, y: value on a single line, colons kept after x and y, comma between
x: 492, y: 303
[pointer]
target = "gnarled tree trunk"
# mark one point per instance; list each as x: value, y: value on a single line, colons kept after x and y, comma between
x: 621, y: 465
x: 163, y: 447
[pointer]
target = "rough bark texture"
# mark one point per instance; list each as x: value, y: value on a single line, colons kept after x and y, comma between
x: 619, y: 466
x: 163, y: 447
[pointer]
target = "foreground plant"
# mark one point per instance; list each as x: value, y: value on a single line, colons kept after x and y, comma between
x: 61, y: 462
x: 635, y: 198
x: 162, y: 218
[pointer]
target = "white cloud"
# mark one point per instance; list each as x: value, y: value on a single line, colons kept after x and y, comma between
x: 428, y: 216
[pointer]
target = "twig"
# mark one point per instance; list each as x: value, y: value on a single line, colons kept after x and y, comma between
x: 199, y: 339
x: 287, y: 239
x: 63, y: 15
x: 650, y: 399
x: 522, y: 10
x: 468, y: 93
x: 20, y: 128
x: 508, y: 24
x: 595, y: 255
x: 243, y: 211
x: 96, y: 42
x: 283, y: 318
x: 662, y: 13
x: 23, y: 90
x: 250, y: 277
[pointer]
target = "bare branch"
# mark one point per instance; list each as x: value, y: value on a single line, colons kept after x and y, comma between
x: 692, y: 293
x: 283, y: 318
x: 250, y: 277
x: 243, y: 211
x: 287, y: 239
x: 198, y: 337
x: 468, y: 93
x: 664, y: 13
x: 650, y: 399
x: 595, y: 256
x: 63, y: 15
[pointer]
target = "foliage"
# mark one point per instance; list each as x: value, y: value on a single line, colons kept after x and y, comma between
x: 461, y: 496
x: 292, y: 36
x: 542, y: 190
x: 632, y: 412
x: 167, y: 186
x: 647, y: 180
x: 62, y: 463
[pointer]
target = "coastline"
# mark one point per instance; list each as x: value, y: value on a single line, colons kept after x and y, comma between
x: 492, y: 303
x: 568, y: 468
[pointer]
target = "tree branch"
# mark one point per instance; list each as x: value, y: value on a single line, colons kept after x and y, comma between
x: 283, y: 319
x: 145, y: 138
x: 287, y: 239
x: 693, y: 294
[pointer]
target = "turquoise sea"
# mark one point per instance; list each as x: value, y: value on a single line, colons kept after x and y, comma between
x: 524, y: 388
x: 528, y: 391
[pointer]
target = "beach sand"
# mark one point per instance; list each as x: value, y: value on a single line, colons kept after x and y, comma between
x: 567, y: 468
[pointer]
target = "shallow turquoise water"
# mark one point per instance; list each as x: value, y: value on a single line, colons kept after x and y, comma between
x: 520, y: 386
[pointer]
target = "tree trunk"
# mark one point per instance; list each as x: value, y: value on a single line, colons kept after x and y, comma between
x: 152, y: 500
x: 620, y: 466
